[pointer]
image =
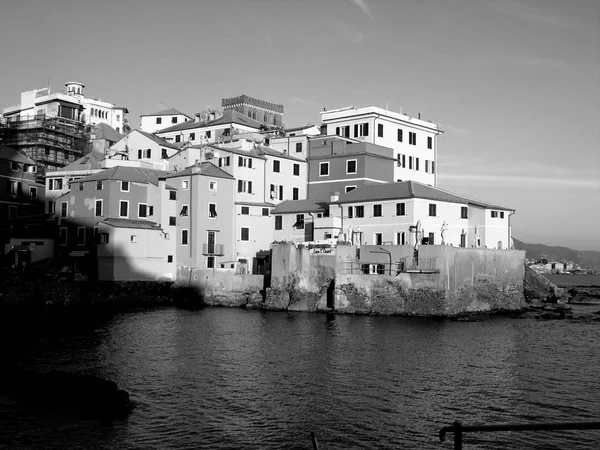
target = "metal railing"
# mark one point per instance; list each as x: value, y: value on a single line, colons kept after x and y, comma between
x: 394, y: 268
x: 458, y: 429
x: 213, y: 249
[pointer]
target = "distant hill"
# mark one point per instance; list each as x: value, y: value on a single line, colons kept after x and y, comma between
x: 585, y: 259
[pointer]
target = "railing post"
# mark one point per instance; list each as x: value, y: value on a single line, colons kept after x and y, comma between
x: 457, y: 435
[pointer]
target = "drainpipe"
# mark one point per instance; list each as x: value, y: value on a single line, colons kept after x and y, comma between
x: 509, y: 234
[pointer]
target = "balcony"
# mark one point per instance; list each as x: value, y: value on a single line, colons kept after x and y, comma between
x: 213, y: 249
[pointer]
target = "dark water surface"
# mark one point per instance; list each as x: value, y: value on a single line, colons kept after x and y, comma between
x: 232, y: 379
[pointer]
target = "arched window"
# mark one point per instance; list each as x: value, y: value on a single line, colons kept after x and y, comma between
x: 275, y: 119
x: 250, y: 113
x: 254, y: 115
x: 266, y: 118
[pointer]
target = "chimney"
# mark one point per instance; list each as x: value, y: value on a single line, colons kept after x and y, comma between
x: 197, y: 119
x: 334, y: 197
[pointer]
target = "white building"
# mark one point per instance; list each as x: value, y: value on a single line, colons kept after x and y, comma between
x: 414, y: 141
x: 141, y: 149
x: 392, y: 214
x: 151, y: 123
x: 70, y: 104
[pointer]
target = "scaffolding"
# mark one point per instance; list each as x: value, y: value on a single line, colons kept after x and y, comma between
x: 52, y: 142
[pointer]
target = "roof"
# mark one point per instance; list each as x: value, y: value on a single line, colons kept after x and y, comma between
x: 269, y: 205
x: 166, y: 112
x: 131, y: 223
x: 91, y: 161
x: 206, y: 168
x: 229, y: 117
x: 158, y: 140
x: 131, y: 174
x: 409, y: 189
x: 11, y: 154
x: 106, y: 132
x: 235, y: 150
x: 289, y: 130
x: 261, y: 149
x: 299, y: 206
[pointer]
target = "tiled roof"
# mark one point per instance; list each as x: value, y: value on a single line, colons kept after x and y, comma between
x: 106, y: 132
x: 11, y: 154
x: 158, y: 140
x: 299, y: 206
x: 131, y: 174
x: 131, y: 223
x: 269, y: 205
x: 229, y: 117
x: 289, y: 130
x: 167, y: 112
x: 272, y: 152
x: 91, y: 161
x: 235, y: 150
x: 408, y: 189
x: 206, y: 168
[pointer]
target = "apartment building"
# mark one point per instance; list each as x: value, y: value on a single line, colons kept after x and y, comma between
x: 142, y: 149
x: 156, y: 121
x: 413, y: 141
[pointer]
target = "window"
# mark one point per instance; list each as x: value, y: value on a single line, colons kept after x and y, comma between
x: 241, y: 161
x: 14, y: 166
x: 410, y: 162
x: 178, y: 138
x: 64, y: 207
x: 33, y: 193
x: 350, y: 212
x: 297, y: 170
x: 210, y: 262
x: 495, y: 214
x: 502, y: 214
x: 12, y: 211
x: 81, y: 186
x: 172, y: 221
x: 380, y: 130
x: 185, y: 184
x: 432, y: 167
x: 184, y: 237
x: 401, y: 209
x: 278, y: 222
x: 55, y: 184
x: 265, y: 211
x: 164, y: 155
x: 212, y: 185
x: 360, y: 211
x: 192, y: 136
x: 148, y: 153
x: 245, y: 210
x: 323, y: 169
x: 80, y: 235
x: 299, y: 222
x: 123, y: 208
x: 212, y: 210
x: 98, y: 211
x: 280, y: 192
x: 361, y: 129
x: 464, y: 212
x: 140, y: 154
x: 208, y: 134
x: 150, y: 210
x: 298, y: 147
x: 172, y: 195
x: 50, y: 207
x: 400, y: 238
x: 399, y: 160
x: 63, y: 236
x: 431, y: 240
x: 412, y: 138
x: 399, y: 134
x: 245, y: 234
x: 351, y: 166
x: 429, y: 142
x: 416, y: 163
x: 343, y: 131
x: 376, y: 210
x: 432, y: 210
x: 142, y: 210
x: 169, y: 258
x: 124, y: 186
x: 377, y: 238
x: 295, y: 193
x: 276, y: 166
x: 245, y: 186
x: 98, y: 185
x: 349, y: 188
x: 184, y: 211
x: 173, y: 119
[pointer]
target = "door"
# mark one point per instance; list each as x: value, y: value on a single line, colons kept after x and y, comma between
x: 211, y: 243
x: 463, y: 240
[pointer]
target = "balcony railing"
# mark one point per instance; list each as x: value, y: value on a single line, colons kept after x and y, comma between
x: 409, y: 264
x: 213, y: 249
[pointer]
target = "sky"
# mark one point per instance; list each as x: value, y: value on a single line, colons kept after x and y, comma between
x: 514, y: 84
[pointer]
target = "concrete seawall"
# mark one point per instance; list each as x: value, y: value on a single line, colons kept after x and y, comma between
x: 449, y: 281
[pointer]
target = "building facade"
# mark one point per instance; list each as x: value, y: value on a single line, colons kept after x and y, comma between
x: 154, y: 122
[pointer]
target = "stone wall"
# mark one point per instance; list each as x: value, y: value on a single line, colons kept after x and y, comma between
x: 223, y: 287
x: 464, y: 280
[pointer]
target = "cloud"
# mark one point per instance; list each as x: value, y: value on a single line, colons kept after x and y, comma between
x: 362, y: 4
x: 530, y: 13
x: 521, y: 181
x: 304, y: 101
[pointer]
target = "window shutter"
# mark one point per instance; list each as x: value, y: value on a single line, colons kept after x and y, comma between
x: 280, y: 192
x: 250, y: 163
x: 249, y: 187
x: 240, y: 185
x: 139, y: 154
